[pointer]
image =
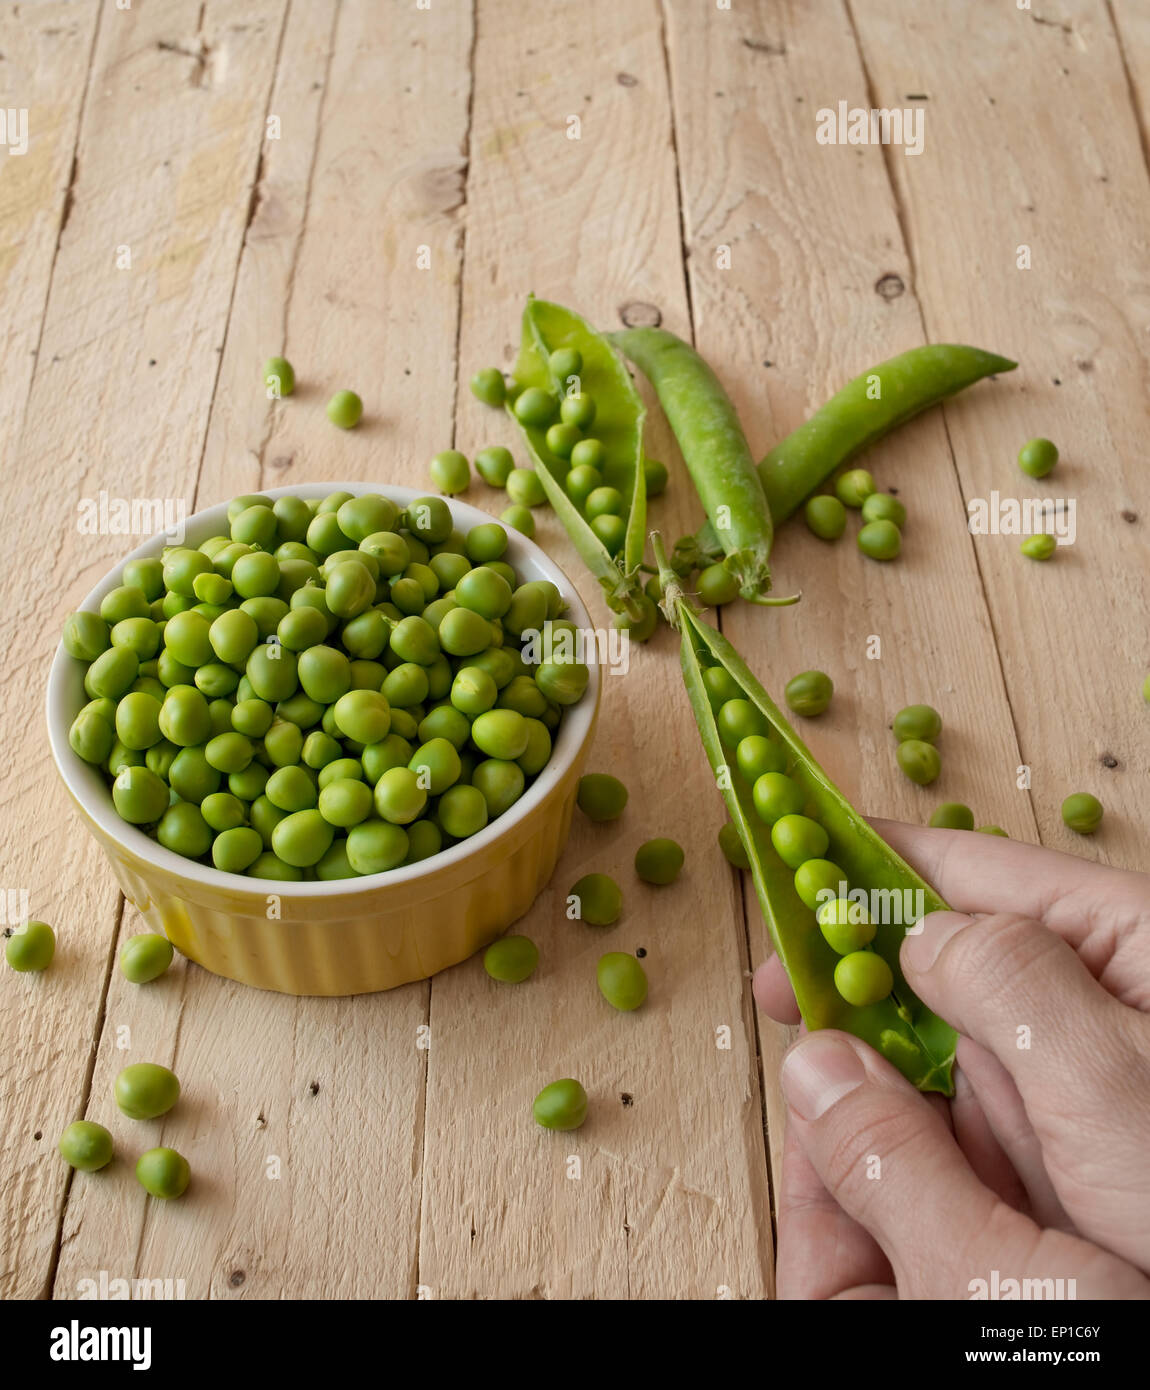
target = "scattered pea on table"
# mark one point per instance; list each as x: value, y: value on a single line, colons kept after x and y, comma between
x: 145, y: 1090
x: 86, y: 1146
x: 622, y: 981
x: 1082, y: 813
x: 164, y: 1173
x: 595, y: 899
x: 145, y: 957
x: 562, y: 1105
x: 31, y: 947
x: 601, y: 797
x: 659, y: 861
x: 809, y: 693
x: 511, y: 959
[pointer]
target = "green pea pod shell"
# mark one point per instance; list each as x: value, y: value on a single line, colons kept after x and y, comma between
x: 619, y: 415
x: 865, y: 410
x: 914, y: 1039
x: 714, y: 448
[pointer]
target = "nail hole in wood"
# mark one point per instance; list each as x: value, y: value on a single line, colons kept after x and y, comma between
x: 641, y: 952
x: 1108, y: 760
x: 627, y: 1098
x: 889, y: 286
x: 236, y: 1278
x: 1128, y: 515
x: 314, y: 1088
x: 636, y: 314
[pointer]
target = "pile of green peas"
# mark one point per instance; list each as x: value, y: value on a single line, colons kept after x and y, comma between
x: 333, y: 688
x: 883, y: 515
x: 861, y: 976
x: 568, y: 421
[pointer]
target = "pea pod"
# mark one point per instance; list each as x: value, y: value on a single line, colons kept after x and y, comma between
x: 900, y: 1026
x: 619, y: 418
x: 864, y: 411
x: 714, y: 449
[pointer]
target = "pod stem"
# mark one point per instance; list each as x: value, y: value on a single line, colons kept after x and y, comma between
x: 673, y: 596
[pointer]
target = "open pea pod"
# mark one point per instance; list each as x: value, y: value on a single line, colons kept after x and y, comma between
x: 619, y: 415
x: 900, y: 1026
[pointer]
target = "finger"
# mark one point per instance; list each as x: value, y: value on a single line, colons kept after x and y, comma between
x: 980, y: 1147
x: 822, y: 1252
x: 1104, y: 913
x: 995, y: 1120
x: 1077, y: 1056
x: 890, y: 1163
x: 773, y: 992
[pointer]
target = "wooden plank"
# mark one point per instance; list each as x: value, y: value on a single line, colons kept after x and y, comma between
x: 307, y: 1147
x: 1007, y: 88
x: 47, y: 1019
x: 166, y: 147
x: 663, y: 1192
x: 819, y: 288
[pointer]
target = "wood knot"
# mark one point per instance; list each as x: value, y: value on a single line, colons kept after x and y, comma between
x: 626, y: 79
x: 636, y: 314
x: 889, y: 286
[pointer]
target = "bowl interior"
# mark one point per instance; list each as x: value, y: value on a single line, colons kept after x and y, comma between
x: 66, y: 696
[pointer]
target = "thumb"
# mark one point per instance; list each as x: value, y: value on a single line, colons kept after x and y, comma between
x: 886, y: 1155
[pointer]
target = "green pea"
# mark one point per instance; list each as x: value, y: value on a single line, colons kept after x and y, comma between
x: 462, y: 811
x: 953, y: 815
x: 562, y: 1105
x: 425, y: 839
x: 279, y: 377
x: 845, y: 926
x: 249, y: 784
x: 125, y: 601
x: 399, y: 796
x: 86, y: 636
x: 484, y: 543
x: 622, y: 981
x: 445, y: 721
x: 473, y: 691
x: 659, y: 861
x: 85, y: 1146
x: 145, y: 1090
x: 809, y: 693
x: 374, y: 846
x: 499, y: 782
x: 450, y: 472
x: 993, y: 830
x: 283, y: 743
x: 1037, y: 457
x: 737, y: 718
x: 484, y: 591
x: 91, y: 737
x: 345, y: 409
x: 717, y: 586
x: 881, y: 506
x: 826, y: 517
x: 917, y: 722
x: 524, y: 488
x: 139, y: 795
x: 655, y: 477
x: 561, y: 438
x: 221, y: 811
x: 589, y: 453
x: 732, y: 846
x: 519, y: 519
x: 345, y: 802
x: 564, y: 684
x: 534, y: 407
x: 577, y: 409
x: 302, y: 838
x: 919, y: 760
x: 163, y: 1172
x: 429, y: 520
x: 566, y: 362
x: 291, y: 789
x: 881, y: 540
x: 721, y: 686
x: 604, y: 501
x: 511, y: 959
x: 612, y: 531
x: 488, y: 386
x: 853, y: 487
x: 183, y: 830
x: 406, y: 685
x: 230, y: 752
x: 30, y: 947
x: 293, y: 515
x: 601, y: 797
x: 757, y: 754
x: 863, y: 978
x: 273, y: 672
x: 436, y: 765
x: 145, y: 957
x: 815, y: 879
x: 234, y: 850
x: 494, y: 465
x: 140, y: 635
x: 797, y: 838
x: 1040, y: 547
x: 595, y: 899
x: 580, y: 483
x: 538, y: 751
x: 1082, y: 813
x: 112, y: 673
x: 146, y: 574
x: 413, y: 639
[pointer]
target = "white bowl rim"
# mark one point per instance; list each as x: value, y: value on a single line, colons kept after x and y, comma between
x: 79, y: 776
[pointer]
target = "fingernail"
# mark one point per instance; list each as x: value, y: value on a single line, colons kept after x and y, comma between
x: 921, y: 949
x: 819, y: 1071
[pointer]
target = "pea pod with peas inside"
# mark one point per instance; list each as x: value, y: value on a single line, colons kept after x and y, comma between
x: 819, y: 847
x: 549, y: 330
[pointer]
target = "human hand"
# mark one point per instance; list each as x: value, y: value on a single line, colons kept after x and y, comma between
x: 1037, y: 1168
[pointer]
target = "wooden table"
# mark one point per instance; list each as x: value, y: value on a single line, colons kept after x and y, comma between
x: 374, y: 187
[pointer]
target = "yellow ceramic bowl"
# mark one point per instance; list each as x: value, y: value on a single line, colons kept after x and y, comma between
x: 348, y: 936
